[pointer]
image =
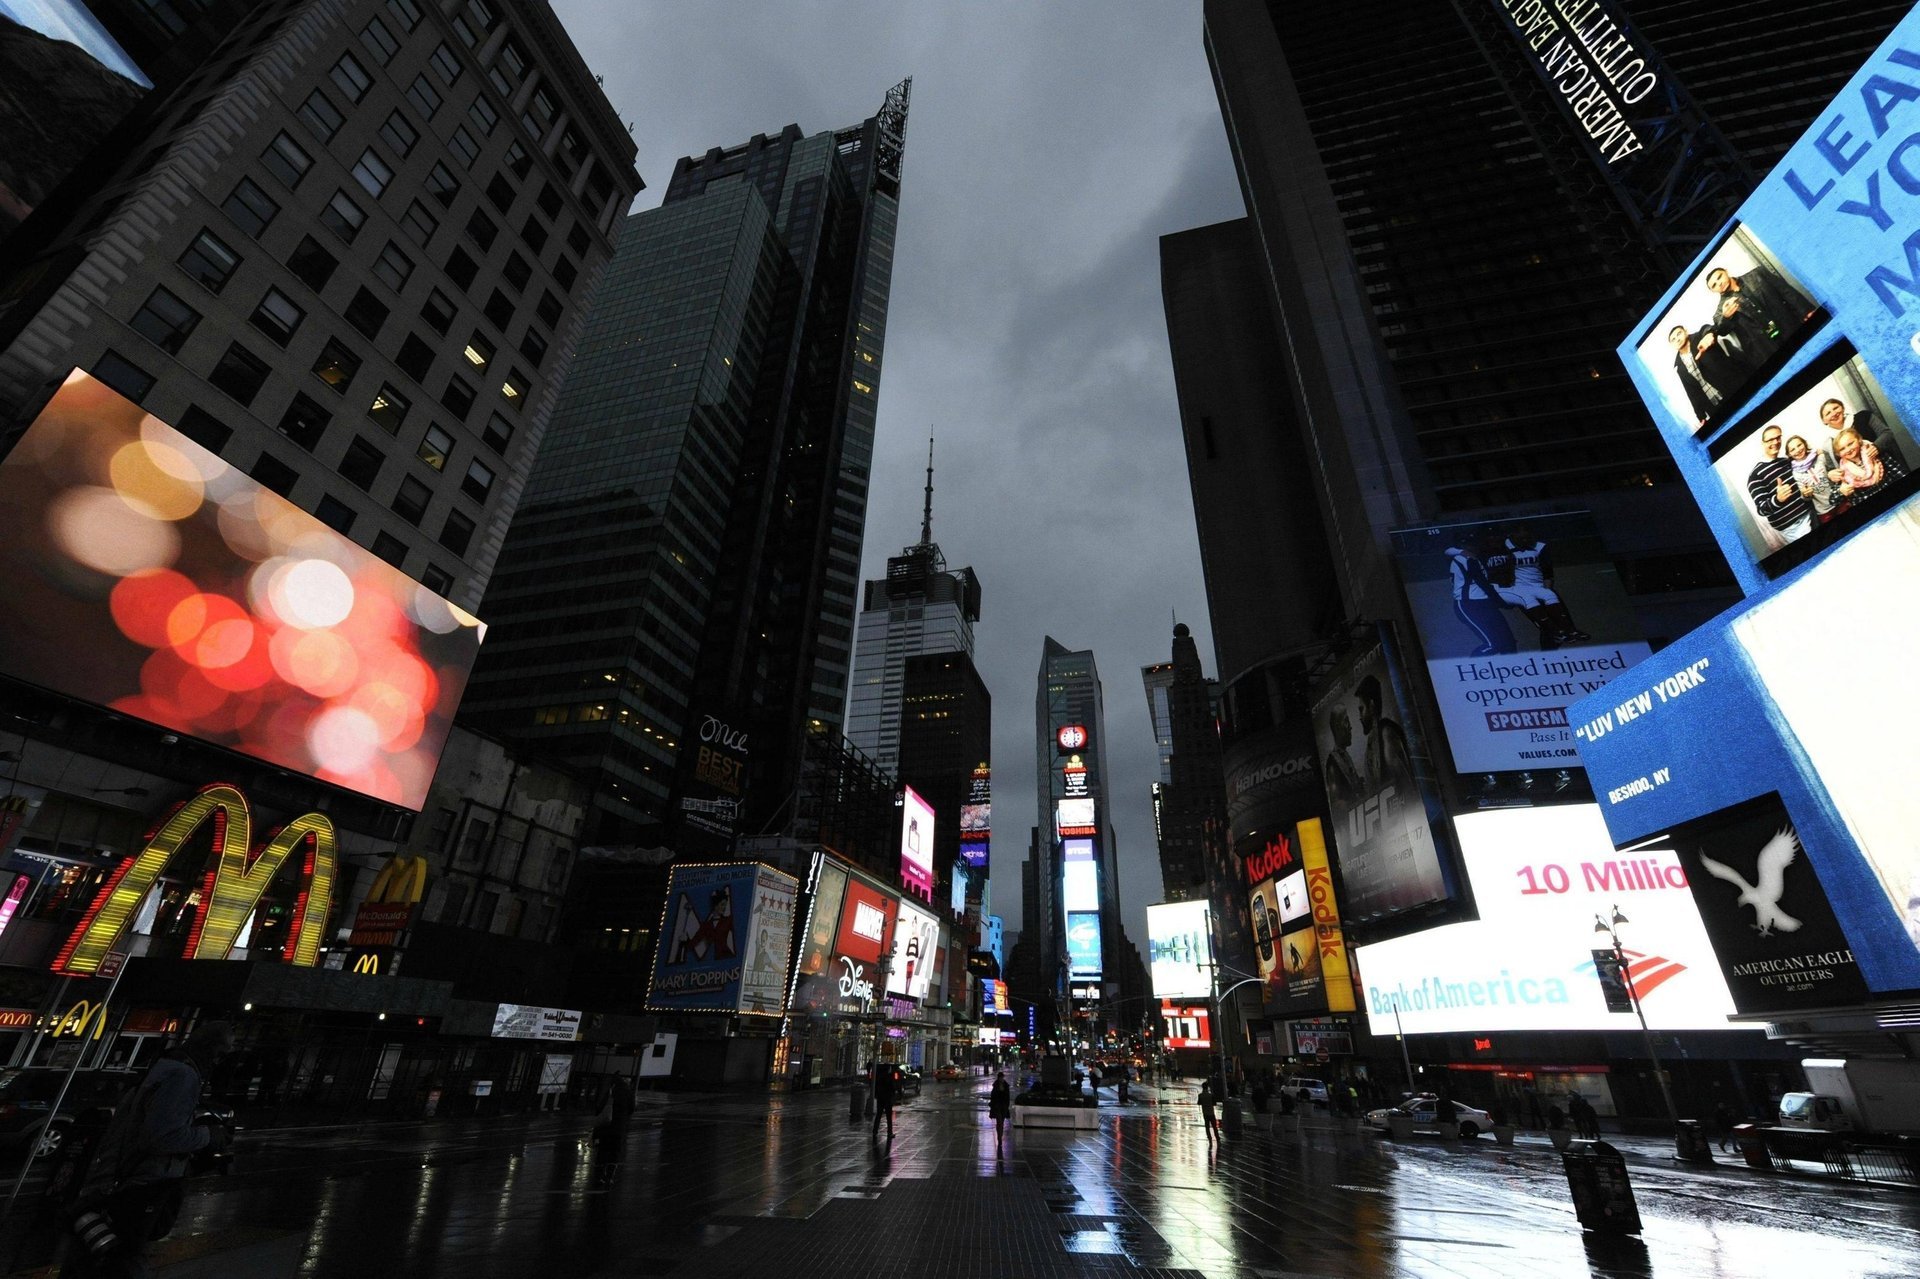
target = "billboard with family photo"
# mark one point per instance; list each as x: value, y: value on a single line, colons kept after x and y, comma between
x: 1518, y: 618
x: 1824, y: 454
x: 1732, y: 325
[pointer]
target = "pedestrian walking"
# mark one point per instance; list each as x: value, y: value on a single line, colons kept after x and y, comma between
x: 1123, y: 1090
x: 1586, y: 1120
x: 1535, y: 1116
x: 1723, y: 1124
x: 884, y: 1083
x: 999, y: 1107
x: 609, y: 1136
x: 1207, y: 1099
x: 131, y: 1190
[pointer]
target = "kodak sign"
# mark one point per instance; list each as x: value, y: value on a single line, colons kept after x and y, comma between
x: 236, y: 877
x: 1334, y: 968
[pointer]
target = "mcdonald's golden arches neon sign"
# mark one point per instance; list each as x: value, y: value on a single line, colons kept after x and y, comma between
x: 236, y: 877
x: 74, y: 1020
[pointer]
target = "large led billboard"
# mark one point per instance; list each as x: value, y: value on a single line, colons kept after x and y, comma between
x: 916, y: 943
x: 1180, y: 949
x: 916, y: 843
x: 148, y: 576
x: 707, y: 936
x: 1541, y: 876
x: 1075, y: 817
x: 850, y: 929
x: 1083, y: 945
x: 976, y: 819
x: 1079, y: 875
x: 1383, y: 807
x: 1518, y: 619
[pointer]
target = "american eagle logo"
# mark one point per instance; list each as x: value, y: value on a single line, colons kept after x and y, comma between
x: 1769, y: 882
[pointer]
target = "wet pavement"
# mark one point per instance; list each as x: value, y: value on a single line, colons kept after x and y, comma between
x: 786, y: 1186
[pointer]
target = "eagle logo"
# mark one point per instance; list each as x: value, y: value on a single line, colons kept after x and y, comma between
x: 1769, y: 882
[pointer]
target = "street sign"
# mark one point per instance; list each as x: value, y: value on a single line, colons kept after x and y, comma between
x: 110, y: 964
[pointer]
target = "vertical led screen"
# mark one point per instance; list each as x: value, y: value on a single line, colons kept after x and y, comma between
x: 148, y: 576
x: 1180, y: 949
x: 850, y: 933
x: 916, y: 843
x: 1518, y: 619
x: 1382, y: 806
x: 1083, y: 945
x: 976, y: 819
x: 916, y: 940
x: 764, y: 967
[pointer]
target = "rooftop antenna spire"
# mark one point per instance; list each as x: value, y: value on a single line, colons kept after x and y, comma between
x: 926, y: 514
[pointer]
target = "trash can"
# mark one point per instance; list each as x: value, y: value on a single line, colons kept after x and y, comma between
x: 857, y: 1104
x: 1753, y: 1146
x: 1230, y: 1116
x: 1690, y: 1143
x: 1602, y: 1195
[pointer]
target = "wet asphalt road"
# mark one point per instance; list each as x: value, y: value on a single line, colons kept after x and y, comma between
x: 786, y: 1186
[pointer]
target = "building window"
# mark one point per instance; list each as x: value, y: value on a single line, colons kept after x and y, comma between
x: 123, y: 375
x: 437, y: 580
x: 388, y: 410
x: 304, y: 422
x: 498, y: 433
x: 209, y: 262
x: 372, y: 173
x: 442, y: 186
x: 275, y: 475
x: 548, y: 309
x: 336, y: 366
x: 398, y: 132
x: 366, y: 313
x: 335, y: 514
x: 321, y: 116
x: 240, y: 374
x: 457, y: 533
x: 500, y: 192
x: 285, y: 160
x: 405, y: 12
x: 483, y: 115
x: 464, y: 146
x: 517, y: 271
x: 425, y: 98
x: 461, y: 268
x: 457, y: 397
x: 277, y: 317
x: 447, y: 63
x: 343, y: 217
x: 478, y: 482
x: 312, y: 265
x: 379, y: 41
x: 533, y: 233
x: 578, y: 240
x: 438, y: 312
x: 393, y: 551
x: 250, y: 208
x: 482, y: 230
x: 549, y: 201
x: 361, y: 466
x: 518, y: 161
x: 533, y: 345
x: 419, y: 223
x: 393, y: 267
x: 565, y: 271
x: 165, y: 321
x: 479, y: 351
x: 539, y: 114
x: 410, y: 503
x: 350, y: 78
x: 514, y: 389
x: 204, y: 429
x: 499, y: 310
x: 435, y: 446
x: 415, y: 358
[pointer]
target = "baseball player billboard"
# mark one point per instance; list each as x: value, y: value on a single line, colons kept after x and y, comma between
x: 1518, y: 618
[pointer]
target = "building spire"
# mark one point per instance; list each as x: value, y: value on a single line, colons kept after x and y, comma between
x: 926, y: 514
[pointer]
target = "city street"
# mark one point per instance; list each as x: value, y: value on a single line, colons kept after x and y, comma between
x: 757, y: 1186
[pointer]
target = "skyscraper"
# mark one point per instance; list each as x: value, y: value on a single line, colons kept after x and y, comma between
x: 946, y: 733
x: 1078, y: 883
x: 1193, y: 802
x: 346, y: 247
x: 686, y: 557
x: 919, y: 607
x: 1157, y: 678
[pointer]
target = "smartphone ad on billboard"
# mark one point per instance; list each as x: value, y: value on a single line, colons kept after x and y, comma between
x: 1383, y: 807
x: 1180, y: 951
x: 916, y: 843
x: 148, y: 576
x: 1518, y: 619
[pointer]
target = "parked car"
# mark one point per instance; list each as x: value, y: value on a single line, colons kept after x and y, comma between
x: 1304, y: 1089
x: 908, y: 1084
x: 1469, y: 1121
x: 26, y: 1099
x: 1814, y: 1110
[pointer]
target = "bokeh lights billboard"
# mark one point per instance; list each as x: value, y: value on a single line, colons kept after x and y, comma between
x: 150, y: 577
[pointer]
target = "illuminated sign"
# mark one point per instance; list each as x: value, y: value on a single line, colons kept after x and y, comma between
x: 17, y: 1018
x: 1187, y: 1025
x: 699, y: 959
x: 1072, y: 737
x: 1540, y: 876
x: 233, y: 885
x: 1073, y: 778
x: 916, y: 939
x: 1593, y: 70
x: 521, y: 1021
x: 16, y: 893
x: 367, y: 965
x: 76, y: 1019
x: 764, y: 966
x: 151, y: 577
x: 1336, y: 974
x: 1075, y: 817
x: 1079, y: 876
x: 916, y: 843
x: 1083, y: 944
x: 1180, y: 948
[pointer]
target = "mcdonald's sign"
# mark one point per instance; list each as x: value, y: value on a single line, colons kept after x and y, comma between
x: 368, y: 964
x: 76, y: 1019
x: 236, y: 877
x: 402, y: 881
x: 384, y: 917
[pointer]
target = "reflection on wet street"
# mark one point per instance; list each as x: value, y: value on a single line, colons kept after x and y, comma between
x: 787, y: 1185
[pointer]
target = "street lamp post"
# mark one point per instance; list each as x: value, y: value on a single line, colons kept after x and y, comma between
x: 1611, y: 930
x: 1401, y: 1035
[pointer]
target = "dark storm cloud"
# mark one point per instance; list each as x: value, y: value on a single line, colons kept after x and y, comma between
x: 1049, y: 147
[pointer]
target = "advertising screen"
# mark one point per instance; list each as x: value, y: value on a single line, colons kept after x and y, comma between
x: 916, y: 843
x: 1824, y: 454
x: 1179, y: 949
x: 1187, y: 1025
x: 916, y: 941
x: 1541, y: 876
x: 764, y: 967
x: 1079, y: 876
x: 1083, y: 944
x: 698, y: 962
x: 866, y: 922
x: 1518, y: 619
x: 823, y: 917
x: 1264, y: 912
x: 148, y: 576
x: 1075, y: 817
x: 1382, y: 807
x: 1734, y: 322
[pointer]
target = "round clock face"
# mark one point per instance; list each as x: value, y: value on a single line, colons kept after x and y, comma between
x: 1073, y: 737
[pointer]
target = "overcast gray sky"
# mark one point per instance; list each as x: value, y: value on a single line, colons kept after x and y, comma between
x: 1049, y: 146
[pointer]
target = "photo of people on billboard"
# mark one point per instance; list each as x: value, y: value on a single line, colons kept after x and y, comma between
x: 1731, y: 327
x: 1819, y: 458
x: 698, y: 964
x: 1376, y: 791
x: 1518, y: 618
x: 1300, y: 954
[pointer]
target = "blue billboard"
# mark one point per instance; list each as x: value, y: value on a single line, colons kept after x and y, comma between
x: 1083, y: 945
x: 698, y: 963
